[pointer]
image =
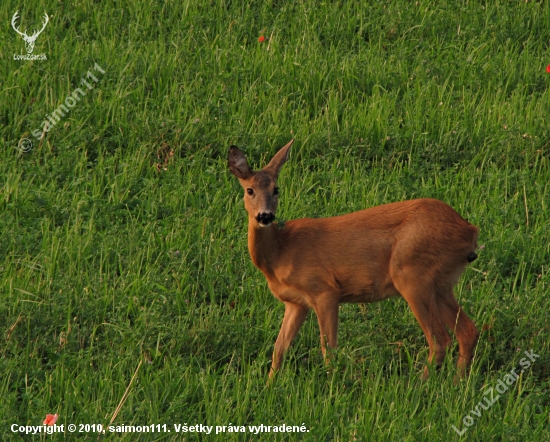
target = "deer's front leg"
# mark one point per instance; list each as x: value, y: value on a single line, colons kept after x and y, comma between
x: 295, y: 316
x: 326, y: 309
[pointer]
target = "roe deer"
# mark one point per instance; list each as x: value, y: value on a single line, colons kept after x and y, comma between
x: 416, y: 249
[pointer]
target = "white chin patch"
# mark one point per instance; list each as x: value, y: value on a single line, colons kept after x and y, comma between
x: 264, y: 225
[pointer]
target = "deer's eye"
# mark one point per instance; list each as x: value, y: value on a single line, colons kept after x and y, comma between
x: 250, y: 191
x: 276, y: 191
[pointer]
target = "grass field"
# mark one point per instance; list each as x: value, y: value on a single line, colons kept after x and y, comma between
x: 123, y: 254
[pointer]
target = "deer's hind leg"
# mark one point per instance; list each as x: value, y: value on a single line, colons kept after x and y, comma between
x: 421, y: 297
x: 462, y: 326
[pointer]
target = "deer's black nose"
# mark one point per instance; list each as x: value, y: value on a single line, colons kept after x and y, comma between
x: 265, y: 218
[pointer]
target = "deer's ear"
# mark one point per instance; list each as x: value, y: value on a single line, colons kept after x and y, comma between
x: 236, y: 160
x: 279, y: 159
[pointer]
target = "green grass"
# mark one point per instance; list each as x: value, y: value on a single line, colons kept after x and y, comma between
x: 123, y: 234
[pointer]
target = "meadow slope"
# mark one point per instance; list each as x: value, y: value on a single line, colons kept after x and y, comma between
x: 123, y: 250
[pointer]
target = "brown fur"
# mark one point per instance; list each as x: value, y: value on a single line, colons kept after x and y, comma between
x: 416, y: 249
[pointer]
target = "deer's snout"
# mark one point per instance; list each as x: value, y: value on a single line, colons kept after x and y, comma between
x: 265, y: 218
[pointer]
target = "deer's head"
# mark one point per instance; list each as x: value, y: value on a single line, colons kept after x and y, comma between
x: 261, y: 193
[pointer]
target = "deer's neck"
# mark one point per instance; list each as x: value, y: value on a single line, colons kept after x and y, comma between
x: 264, y: 245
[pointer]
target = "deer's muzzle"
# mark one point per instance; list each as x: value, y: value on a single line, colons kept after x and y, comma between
x: 265, y: 218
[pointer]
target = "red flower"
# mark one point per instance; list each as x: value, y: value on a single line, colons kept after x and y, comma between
x: 548, y: 68
x: 262, y: 38
x: 51, y: 419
